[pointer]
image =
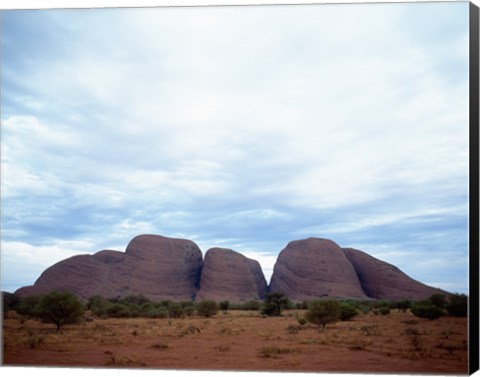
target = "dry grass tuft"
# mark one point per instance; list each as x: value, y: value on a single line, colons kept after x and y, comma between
x: 223, y: 348
x: 274, y: 352
x: 159, y: 346
x: 190, y: 330
x: 113, y: 360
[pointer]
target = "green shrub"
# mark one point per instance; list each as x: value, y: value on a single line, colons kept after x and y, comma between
x: 175, y: 310
x: 189, y: 310
x: 347, y: 311
x: 302, y: 321
x: 384, y: 310
x: 438, y: 300
x: 301, y: 305
x: 294, y: 329
x: 429, y: 311
x: 117, y: 310
x: 274, y: 304
x: 28, y: 306
x: 457, y: 305
x: 147, y: 306
x: 157, y: 313
x: 224, y: 306
x: 251, y: 305
x: 383, y: 304
x: 165, y: 303
x: 403, y: 305
x: 97, y: 304
x: 323, y: 312
x: 207, y: 308
x: 10, y: 301
x: 133, y: 299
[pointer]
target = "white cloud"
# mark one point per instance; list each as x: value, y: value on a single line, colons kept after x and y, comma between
x: 44, y: 255
x: 22, y: 263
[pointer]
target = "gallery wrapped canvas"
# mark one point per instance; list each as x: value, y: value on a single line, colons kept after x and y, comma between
x: 245, y: 187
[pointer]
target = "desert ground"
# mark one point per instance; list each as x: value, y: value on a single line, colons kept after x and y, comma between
x: 244, y: 341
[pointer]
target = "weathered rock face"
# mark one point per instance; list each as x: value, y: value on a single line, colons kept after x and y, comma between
x: 313, y: 268
x: 84, y: 275
x: 163, y: 268
x: 228, y: 275
x: 381, y: 280
x: 157, y: 267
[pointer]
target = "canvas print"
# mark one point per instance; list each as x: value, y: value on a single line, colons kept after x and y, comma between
x: 254, y: 188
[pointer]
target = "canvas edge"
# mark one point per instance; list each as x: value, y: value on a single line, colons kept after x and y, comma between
x: 474, y: 191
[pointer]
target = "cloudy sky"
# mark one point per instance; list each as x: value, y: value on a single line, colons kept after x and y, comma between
x: 237, y: 127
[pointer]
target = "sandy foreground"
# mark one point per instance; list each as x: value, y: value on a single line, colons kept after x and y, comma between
x: 244, y: 341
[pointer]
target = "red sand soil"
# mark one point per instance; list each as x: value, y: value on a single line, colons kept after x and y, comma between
x: 397, y: 343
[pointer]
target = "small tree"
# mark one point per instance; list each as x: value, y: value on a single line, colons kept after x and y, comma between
x: 10, y: 301
x: 322, y: 312
x: 28, y: 305
x: 98, y: 305
x: 207, y: 308
x: 275, y: 303
x: 224, y: 305
x: 403, y: 305
x: 60, y: 308
x: 438, y: 300
x: 175, y: 310
x: 457, y: 305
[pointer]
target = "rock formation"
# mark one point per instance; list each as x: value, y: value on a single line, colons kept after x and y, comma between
x: 228, y: 275
x: 162, y: 268
x: 157, y: 267
x: 381, y: 280
x: 313, y: 268
x: 83, y: 275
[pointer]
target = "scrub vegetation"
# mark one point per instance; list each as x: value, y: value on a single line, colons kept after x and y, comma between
x: 320, y: 335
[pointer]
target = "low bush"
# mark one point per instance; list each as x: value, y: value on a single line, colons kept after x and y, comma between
x: 207, y: 308
x: 189, y: 310
x: 157, y: 313
x: 384, y: 310
x: 457, y: 305
x: 323, y: 312
x: 250, y: 305
x: 190, y: 330
x: 35, y: 340
x: 403, y: 305
x: 175, y: 311
x: 438, y: 300
x: 347, y: 311
x: 301, y: 305
x: 425, y: 310
x: 28, y: 306
x: 10, y: 301
x: 117, y: 310
x: 224, y: 306
x: 294, y: 329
